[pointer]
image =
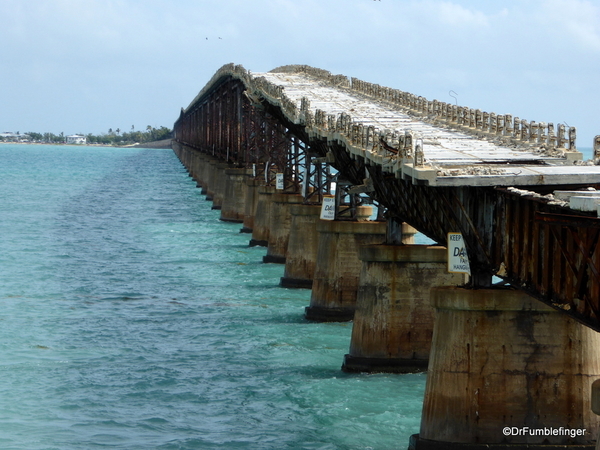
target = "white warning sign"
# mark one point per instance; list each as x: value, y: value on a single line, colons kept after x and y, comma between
x: 279, y: 181
x: 328, y: 208
x: 458, y: 261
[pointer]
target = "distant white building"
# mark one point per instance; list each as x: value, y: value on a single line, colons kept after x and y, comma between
x: 14, y: 137
x: 76, y: 139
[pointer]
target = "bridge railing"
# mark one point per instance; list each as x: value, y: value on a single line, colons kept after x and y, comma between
x: 474, y: 121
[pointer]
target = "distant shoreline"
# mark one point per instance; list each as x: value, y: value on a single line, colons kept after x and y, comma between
x: 163, y: 144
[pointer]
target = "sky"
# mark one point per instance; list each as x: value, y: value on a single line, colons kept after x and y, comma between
x: 84, y: 66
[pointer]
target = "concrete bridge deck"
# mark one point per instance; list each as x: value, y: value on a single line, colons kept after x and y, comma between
x: 452, y: 153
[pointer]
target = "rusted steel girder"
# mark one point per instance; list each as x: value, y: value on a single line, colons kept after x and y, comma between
x: 231, y: 126
x: 239, y: 128
x: 546, y: 250
x: 553, y: 255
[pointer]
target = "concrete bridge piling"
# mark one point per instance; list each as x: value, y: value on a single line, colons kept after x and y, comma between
x: 204, y: 172
x: 393, y: 322
x: 279, y: 226
x: 502, y: 362
x: 302, y: 246
x: 335, y: 282
x: 234, y: 198
x: 250, y: 205
x: 211, y: 170
x: 196, y: 168
x: 262, y: 217
x: 219, y: 179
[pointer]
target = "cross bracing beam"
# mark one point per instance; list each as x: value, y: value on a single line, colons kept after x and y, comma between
x: 438, y: 167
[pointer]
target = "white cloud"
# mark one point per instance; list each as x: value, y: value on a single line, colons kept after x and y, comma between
x: 577, y: 21
x: 456, y: 15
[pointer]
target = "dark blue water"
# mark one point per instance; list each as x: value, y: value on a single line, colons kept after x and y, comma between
x: 132, y: 318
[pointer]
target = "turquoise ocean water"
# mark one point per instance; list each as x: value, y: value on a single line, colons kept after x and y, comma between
x: 132, y: 318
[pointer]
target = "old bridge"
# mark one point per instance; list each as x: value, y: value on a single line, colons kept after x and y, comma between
x: 519, y: 353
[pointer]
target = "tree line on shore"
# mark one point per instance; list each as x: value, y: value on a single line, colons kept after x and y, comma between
x: 113, y: 137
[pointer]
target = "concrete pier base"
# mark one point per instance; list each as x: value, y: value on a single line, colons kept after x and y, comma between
x: 250, y: 204
x: 189, y: 158
x: 262, y: 218
x: 198, y: 163
x: 393, y: 322
x: 335, y: 283
x: 501, y: 359
x: 234, y: 199
x: 192, y: 166
x: 279, y: 228
x: 219, y: 180
x: 211, y: 177
x: 203, y: 165
x: 302, y: 248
